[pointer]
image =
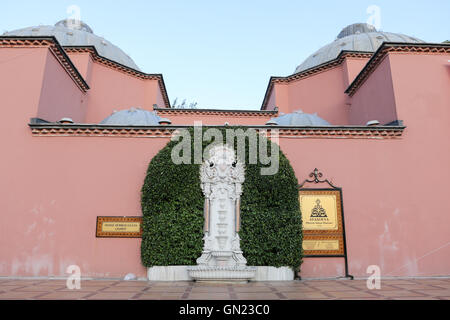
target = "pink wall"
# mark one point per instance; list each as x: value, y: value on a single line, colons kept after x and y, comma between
x: 51, y: 204
x: 217, y: 119
x: 392, y: 217
x: 322, y: 93
x: 60, y: 95
x: 352, y: 67
x: 280, y: 93
x: 53, y: 188
x: 113, y: 90
x: 375, y: 99
x: 154, y: 90
x: 421, y: 87
x: 271, y: 103
x: 21, y: 75
x: 83, y: 62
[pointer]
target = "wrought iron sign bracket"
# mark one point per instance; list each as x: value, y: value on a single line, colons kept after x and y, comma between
x: 316, y: 174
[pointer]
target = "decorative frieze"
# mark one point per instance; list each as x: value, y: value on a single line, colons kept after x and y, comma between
x: 329, y: 132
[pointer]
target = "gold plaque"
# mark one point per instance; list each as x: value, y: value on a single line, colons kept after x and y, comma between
x: 119, y: 227
x: 323, y: 231
x: 319, y: 212
x: 311, y: 245
x: 323, y: 245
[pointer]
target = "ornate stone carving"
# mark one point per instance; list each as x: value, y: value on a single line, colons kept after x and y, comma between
x: 221, y: 178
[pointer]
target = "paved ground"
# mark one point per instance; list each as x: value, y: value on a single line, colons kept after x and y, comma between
x: 435, y: 289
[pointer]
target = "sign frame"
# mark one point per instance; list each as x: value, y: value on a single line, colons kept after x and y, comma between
x: 326, y: 234
x: 99, y: 233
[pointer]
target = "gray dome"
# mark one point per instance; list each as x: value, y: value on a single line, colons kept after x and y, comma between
x: 298, y: 118
x: 133, y: 117
x: 361, y: 37
x: 77, y: 33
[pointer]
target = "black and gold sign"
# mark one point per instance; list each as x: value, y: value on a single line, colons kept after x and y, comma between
x: 322, y: 222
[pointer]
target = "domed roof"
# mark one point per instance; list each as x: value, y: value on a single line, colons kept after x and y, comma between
x: 77, y: 33
x: 134, y: 117
x: 361, y: 37
x: 298, y: 118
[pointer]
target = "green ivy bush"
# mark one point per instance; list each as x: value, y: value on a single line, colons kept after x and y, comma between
x: 172, y: 205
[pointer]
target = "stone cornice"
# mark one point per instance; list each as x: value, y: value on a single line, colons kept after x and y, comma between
x: 392, y: 47
x: 55, y: 49
x: 312, y: 71
x: 121, y: 68
x: 216, y: 112
x: 328, y: 132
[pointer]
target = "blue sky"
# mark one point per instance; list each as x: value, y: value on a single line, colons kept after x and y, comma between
x: 221, y: 54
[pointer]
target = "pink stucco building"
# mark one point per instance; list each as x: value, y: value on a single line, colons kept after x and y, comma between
x: 58, y: 176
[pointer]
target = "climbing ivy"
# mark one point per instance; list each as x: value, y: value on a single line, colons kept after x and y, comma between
x: 172, y: 206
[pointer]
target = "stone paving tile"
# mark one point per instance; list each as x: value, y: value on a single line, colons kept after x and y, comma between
x: 324, y: 289
x: 351, y: 294
x: 33, y: 289
x: 168, y: 284
x: 436, y: 292
x: 305, y: 295
x: 415, y: 298
x: 383, y: 287
x: 432, y: 281
x: 295, y: 289
x: 97, y: 283
x: 443, y: 286
x: 11, y: 288
x: 283, y: 283
x: 211, y: 296
x: 123, y: 289
x: 112, y: 296
x: 206, y: 284
x: 159, y: 296
x: 398, y: 281
x: 255, y: 284
x: 133, y: 284
x: 252, y: 289
x: 73, y: 295
x: 398, y: 293
x: 211, y: 289
x: 53, y: 283
x: 416, y: 287
x: 370, y: 298
x: 83, y: 288
x: 23, y: 282
x: 335, y: 288
x: 11, y: 295
x: 166, y: 289
x: 257, y: 296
